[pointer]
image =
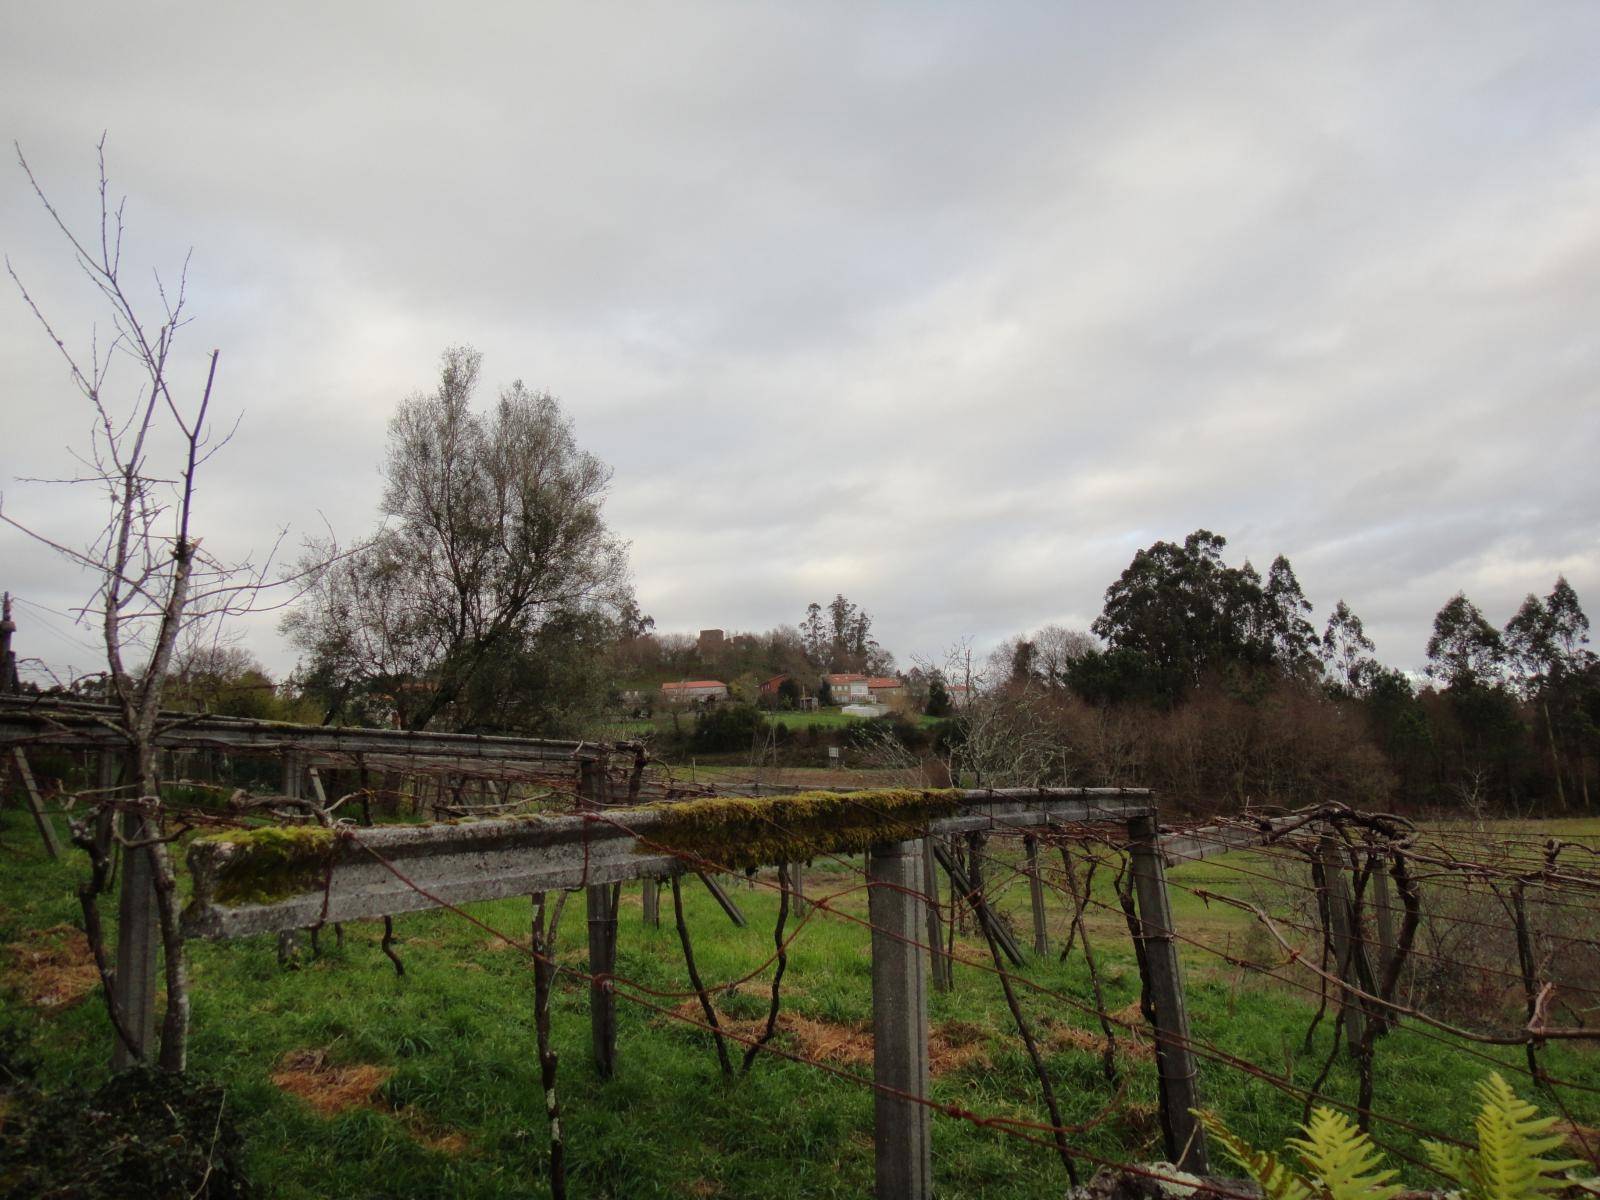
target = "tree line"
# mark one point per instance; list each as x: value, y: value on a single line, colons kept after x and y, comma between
x: 1213, y: 683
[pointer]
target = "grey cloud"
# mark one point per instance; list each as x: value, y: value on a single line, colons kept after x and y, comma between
x: 951, y: 309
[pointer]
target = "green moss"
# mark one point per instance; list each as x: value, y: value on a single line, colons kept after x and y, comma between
x: 270, y: 864
x: 742, y: 831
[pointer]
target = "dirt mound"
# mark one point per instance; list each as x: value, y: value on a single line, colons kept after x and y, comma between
x: 52, y: 968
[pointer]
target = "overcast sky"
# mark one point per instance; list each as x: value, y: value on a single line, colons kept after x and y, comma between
x: 949, y: 308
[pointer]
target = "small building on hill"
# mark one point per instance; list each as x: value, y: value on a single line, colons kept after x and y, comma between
x: 885, y: 690
x: 690, y: 690
x: 848, y: 688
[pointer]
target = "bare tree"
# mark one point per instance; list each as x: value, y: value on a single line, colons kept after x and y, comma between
x: 497, y: 534
x: 150, y: 436
x: 1002, y: 736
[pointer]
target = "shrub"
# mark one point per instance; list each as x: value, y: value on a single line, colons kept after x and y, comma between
x: 729, y: 727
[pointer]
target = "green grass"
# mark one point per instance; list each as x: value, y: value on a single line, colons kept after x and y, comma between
x: 822, y: 718
x: 457, y: 1033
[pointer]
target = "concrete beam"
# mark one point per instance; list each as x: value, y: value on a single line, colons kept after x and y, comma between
x: 489, y: 860
x: 1208, y: 841
x: 28, y: 722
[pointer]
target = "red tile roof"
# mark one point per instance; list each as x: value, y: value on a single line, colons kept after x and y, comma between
x: 832, y: 679
x: 693, y: 683
x: 884, y: 682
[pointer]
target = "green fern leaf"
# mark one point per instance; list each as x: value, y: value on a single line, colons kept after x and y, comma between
x: 1343, y: 1159
x: 1276, y: 1178
x: 1512, y: 1138
x: 1451, y: 1162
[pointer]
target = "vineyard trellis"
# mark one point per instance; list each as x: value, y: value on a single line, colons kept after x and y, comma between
x: 1345, y: 901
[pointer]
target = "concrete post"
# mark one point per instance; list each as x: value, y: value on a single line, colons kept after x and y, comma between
x: 902, y: 1128
x: 291, y: 774
x: 30, y: 789
x: 137, y: 940
x: 650, y: 901
x: 724, y: 901
x: 942, y: 968
x: 1041, y: 935
x: 1176, y: 1066
x: 602, y: 912
x: 796, y: 883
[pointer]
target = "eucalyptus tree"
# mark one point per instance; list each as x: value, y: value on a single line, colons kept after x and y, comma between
x: 1546, y: 647
x: 1465, y: 651
x: 1185, y: 613
x: 1346, y: 653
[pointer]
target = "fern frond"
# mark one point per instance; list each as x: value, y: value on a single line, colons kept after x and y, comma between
x: 1512, y: 1138
x: 1452, y: 1162
x: 1276, y: 1178
x: 1343, y: 1159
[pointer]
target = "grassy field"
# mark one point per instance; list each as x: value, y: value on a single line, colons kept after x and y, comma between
x: 440, y: 1071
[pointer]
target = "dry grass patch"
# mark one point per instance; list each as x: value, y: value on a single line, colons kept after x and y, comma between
x: 1058, y: 1035
x: 328, y: 1088
x: 332, y: 1089
x: 52, y: 968
x: 952, y: 1045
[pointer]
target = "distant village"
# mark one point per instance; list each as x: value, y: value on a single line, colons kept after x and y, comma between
x: 854, y: 693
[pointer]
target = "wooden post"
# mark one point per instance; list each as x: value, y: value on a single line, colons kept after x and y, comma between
x: 902, y: 1128
x: 600, y: 902
x: 942, y: 969
x: 1330, y: 848
x: 1041, y: 936
x: 1383, y: 908
x: 650, y: 901
x: 1176, y: 1066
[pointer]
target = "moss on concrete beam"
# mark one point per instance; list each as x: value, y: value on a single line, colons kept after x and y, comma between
x: 746, y: 831
x: 275, y: 862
